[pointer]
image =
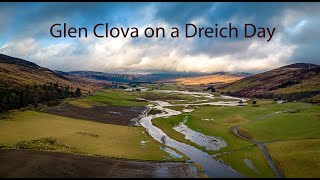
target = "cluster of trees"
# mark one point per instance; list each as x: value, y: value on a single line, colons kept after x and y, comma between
x: 288, y: 83
x: 18, y: 97
x: 298, y: 95
x: 285, y: 84
x: 211, y: 88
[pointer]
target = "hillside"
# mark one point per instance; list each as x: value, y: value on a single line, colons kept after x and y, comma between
x: 298, y: 81
x: 209, y: 79
x: 19, y: 72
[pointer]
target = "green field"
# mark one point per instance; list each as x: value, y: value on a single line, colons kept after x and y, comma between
x: 35, y: 130
x: 117, y: 98
x: 236, y: 159
x: 168, y: 86
x: 295, y: 140
x: 302, y: 124
x: 84, y: 103
x: 177, y: 108
x: 297, y: 158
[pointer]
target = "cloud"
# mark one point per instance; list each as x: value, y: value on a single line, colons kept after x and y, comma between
x: 123, y: 55
x: 20, y: 48
x: 301, y: 27
x: 296, y: 37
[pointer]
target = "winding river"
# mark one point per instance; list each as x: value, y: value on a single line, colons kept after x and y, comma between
x: 213, y: 168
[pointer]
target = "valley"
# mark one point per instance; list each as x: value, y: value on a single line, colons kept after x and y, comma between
x: 130, y: 127
x: 159, y: 90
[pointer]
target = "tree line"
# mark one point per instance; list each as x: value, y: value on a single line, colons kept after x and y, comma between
x: 22, y: 96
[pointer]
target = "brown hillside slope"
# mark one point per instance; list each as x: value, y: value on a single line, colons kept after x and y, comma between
x: 16, y: 72
x: 299, y: 81
x: 207, y: 79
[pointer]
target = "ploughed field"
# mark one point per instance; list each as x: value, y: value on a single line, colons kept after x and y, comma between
x: 119, y: 115
x: 39, y: 164
x: 102, y: 131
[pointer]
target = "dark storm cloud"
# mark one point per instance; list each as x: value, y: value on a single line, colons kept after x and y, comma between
x: 26, y: 16
x: 184, y: 12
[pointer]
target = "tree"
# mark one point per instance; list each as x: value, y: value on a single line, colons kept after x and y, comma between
x: 254, y: 102
x: 14, y: 97
x: 210, y: 87
x: 77, y: 92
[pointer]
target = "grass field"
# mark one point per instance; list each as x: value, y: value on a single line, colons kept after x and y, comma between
x: 84, y: 103
x: 117, y: 98
x: 302, y: 124
x: 260, y: 167
x: 35, y: 130
x: 176, y: 108
x: 297, y: 158
x: 295, y: 141
x: 168, y: 86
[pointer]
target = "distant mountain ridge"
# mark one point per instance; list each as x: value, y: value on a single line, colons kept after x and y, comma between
x: 146, y: 77
x: 241, y: 74
x: 130, y: 78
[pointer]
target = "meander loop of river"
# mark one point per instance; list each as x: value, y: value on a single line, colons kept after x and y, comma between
x: 212, y: 167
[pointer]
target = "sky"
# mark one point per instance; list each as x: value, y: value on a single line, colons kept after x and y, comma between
x: 25, y: 33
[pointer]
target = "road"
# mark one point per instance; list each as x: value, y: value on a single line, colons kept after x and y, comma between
x: 261, y: 145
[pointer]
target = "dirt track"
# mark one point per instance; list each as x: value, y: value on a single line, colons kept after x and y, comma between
x: 119, y: 115
x: 27, y: 163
